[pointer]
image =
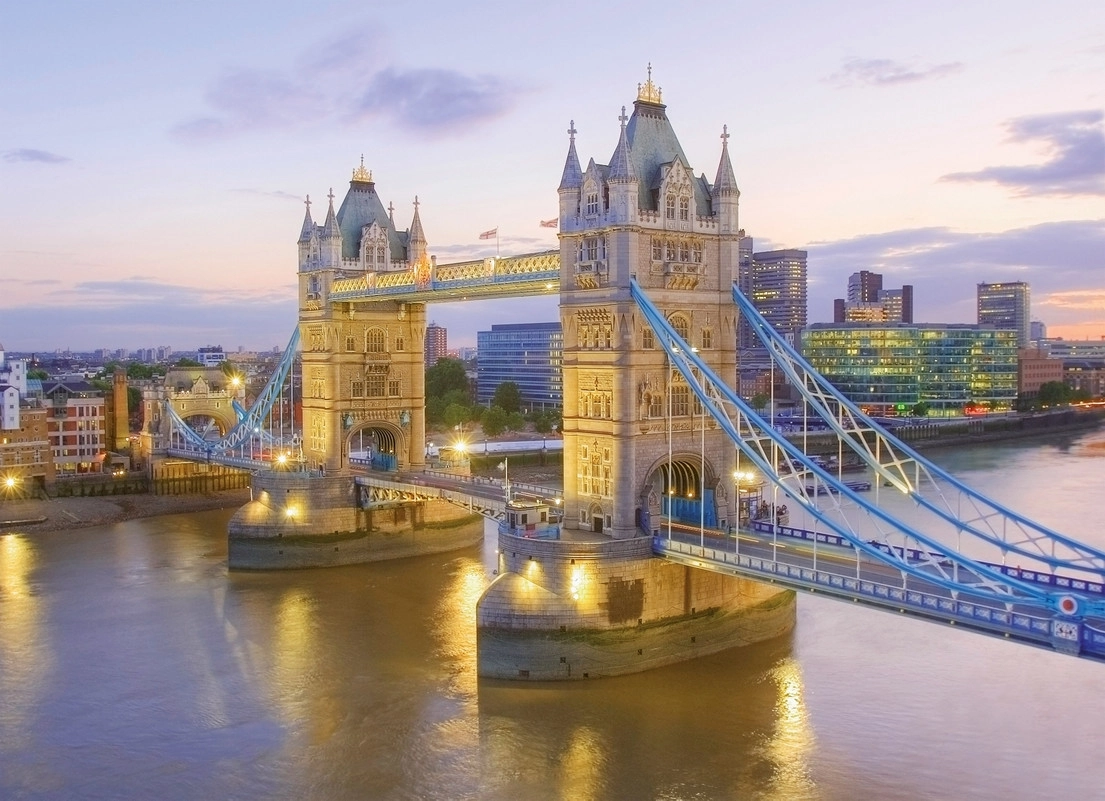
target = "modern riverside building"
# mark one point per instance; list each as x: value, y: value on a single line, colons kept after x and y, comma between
x: 1006, y: 305
x: 889, y: 367
x: 530, y: 355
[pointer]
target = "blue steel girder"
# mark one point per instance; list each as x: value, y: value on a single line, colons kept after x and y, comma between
x: 757, y: 439
x: 250, y: 424
x: 901, y: 466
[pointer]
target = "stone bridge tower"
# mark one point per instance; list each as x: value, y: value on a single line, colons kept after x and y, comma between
x: 644, y: 215
x: 363, y: 368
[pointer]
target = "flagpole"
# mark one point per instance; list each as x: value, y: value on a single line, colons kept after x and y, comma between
x: 496, y: 240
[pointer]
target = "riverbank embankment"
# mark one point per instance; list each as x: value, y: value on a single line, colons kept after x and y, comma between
x: 56, y: 514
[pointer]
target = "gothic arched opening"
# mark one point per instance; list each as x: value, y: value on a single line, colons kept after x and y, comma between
x: 678, y: 487
x: 374, y: 445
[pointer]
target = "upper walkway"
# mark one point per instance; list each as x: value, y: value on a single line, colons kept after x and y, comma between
x: 494, y: 277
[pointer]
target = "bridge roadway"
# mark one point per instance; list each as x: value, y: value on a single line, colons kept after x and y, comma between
x: 805, y: 561
x: 809, y: 562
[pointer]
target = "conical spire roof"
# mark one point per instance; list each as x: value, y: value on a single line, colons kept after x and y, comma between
x: 308, y: 224
x: 573, y: 175
x: 416, y: 232
x: 621, y: 165
x: 330, y: 227
x: 725, y: 185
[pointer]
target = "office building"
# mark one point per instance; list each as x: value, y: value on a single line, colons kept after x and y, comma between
x: 211, y: 356
x: 530, y: 355
x: 437, y: 343
x: 1034, y: 369
x: 777, y: 288
x: 887, y: 368
x: 868, y: 302
x: 1006, y: 306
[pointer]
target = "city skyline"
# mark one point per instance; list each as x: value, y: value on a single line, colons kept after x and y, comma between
x: 156, y: 195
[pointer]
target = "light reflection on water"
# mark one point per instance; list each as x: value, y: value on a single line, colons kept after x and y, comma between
x: 133, y: 665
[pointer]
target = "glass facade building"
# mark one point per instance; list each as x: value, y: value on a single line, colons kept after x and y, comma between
x: 529, y: 354
x: 888, y: 368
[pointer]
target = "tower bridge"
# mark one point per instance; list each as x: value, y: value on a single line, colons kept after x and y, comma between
x: 654, y: 436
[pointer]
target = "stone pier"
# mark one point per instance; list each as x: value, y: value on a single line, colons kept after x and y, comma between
x: 586, y: 608
x: 297, y: 520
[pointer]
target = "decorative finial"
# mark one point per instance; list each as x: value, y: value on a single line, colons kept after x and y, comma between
x: 572, y: 130
x: 361, y: 174
x: 724, y: 137
x: 649, y: 92
x: 307, y: 203
x: 416, y: 204
x: 391, y: 210
x: 622, y: 118
x: 331, y: 196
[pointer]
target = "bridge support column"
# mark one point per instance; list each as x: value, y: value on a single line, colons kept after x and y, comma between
x: 575, y: 610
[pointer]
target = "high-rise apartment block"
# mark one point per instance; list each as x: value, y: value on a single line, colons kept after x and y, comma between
x: 864, y: 287
x: 437, y: 343
x: 1006, y: 306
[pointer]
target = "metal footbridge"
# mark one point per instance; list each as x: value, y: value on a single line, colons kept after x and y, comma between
x: 963, y: 563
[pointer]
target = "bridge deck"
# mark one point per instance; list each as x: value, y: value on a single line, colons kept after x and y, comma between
x: 793, y: 560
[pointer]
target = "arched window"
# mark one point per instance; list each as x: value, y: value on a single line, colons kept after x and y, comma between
x: 684, y: 209
x: 592, y: 204
x: 648, y: 342
x: 707, y: 338
x: 681, y: 326
x: 375, y: 341
x: 669, y: 207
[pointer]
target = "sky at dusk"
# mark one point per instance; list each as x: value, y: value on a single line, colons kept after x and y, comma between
x: 154, y: 156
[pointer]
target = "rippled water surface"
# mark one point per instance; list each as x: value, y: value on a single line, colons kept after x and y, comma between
x: 133, y: 665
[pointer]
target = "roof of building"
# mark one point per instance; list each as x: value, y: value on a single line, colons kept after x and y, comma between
x: 362, y: 207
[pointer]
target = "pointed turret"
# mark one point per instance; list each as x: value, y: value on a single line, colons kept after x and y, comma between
x: 725, y: 185
x: 573, y: 175
x: 308, y: 224
x: 306, y: 234
x: 331, y: 237
x: 621, y: 178
x: 621, y: 167
x: 571, y: 182
x: 416, y: 243
x: 726, y: 196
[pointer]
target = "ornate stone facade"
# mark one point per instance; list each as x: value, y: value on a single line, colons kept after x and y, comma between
x: 362, y: 361
x: 644, y: 215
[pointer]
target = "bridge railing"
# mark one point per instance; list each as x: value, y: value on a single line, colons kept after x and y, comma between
x: 1068, y: 635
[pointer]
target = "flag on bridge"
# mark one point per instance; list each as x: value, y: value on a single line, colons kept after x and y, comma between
x: 550, y: 223
x: 492, y: 234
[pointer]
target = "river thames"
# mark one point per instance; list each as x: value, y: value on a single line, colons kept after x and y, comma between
x: 133, y: 665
